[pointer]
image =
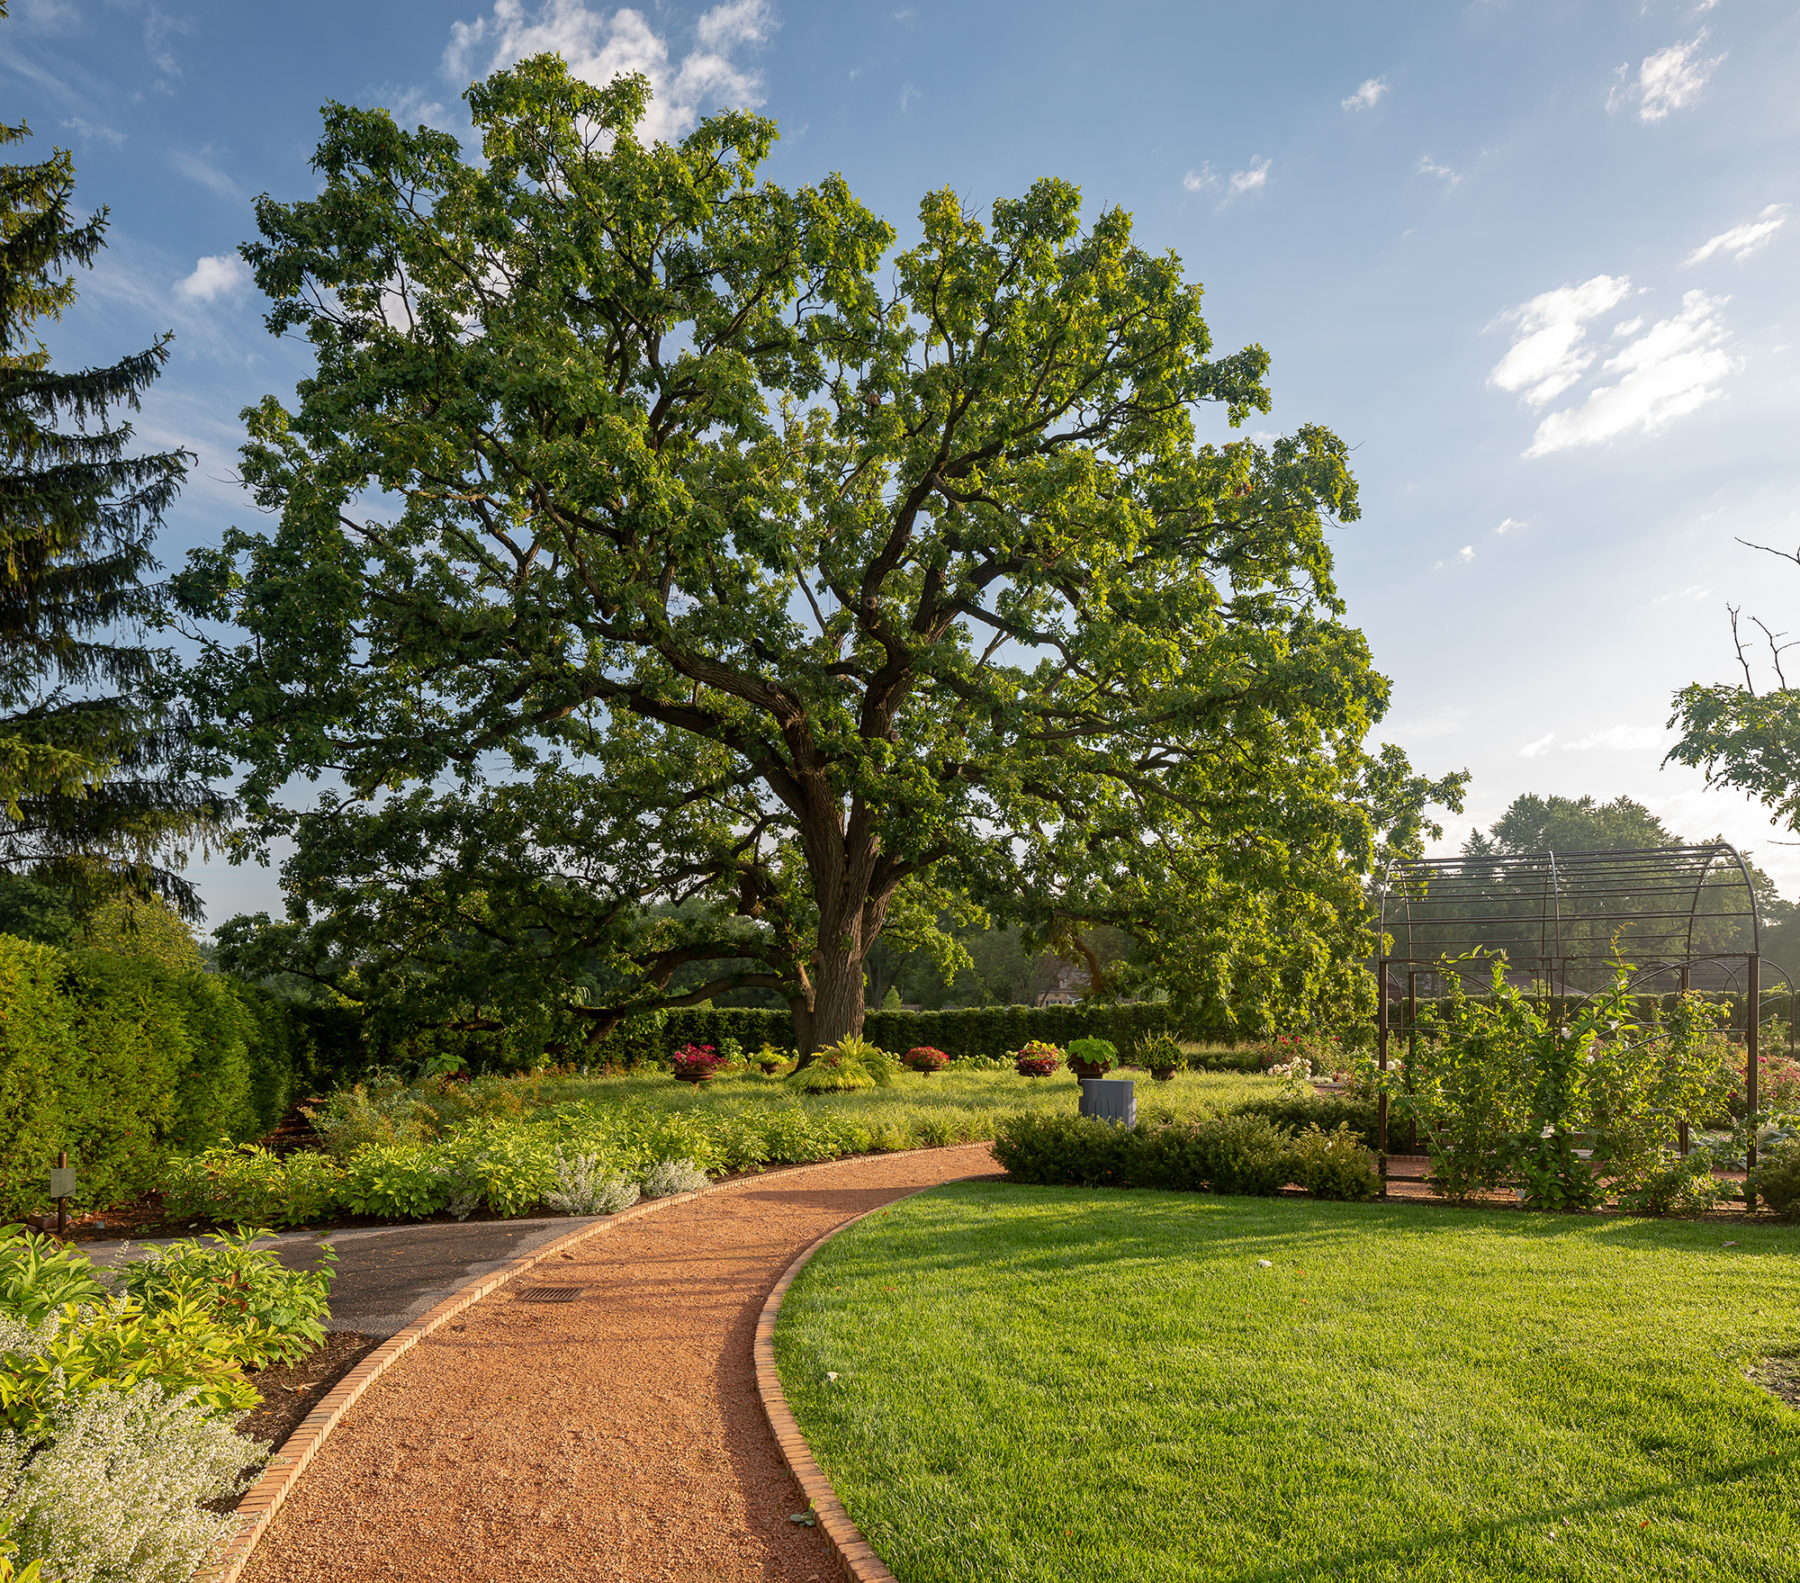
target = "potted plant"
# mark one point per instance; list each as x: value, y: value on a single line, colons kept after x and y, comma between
x: 924, y: 1059
x: 1092, y: 1057
x: 696, y: 1063
x: 1037, y: 1059
x: 1161, y: 1056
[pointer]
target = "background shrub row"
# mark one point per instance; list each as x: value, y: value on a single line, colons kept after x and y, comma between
x: 121, y: 1061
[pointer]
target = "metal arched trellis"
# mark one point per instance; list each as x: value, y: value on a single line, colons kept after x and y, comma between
x: 1685, y: 917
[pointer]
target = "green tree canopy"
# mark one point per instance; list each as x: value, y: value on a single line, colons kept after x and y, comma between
x: 89, y: 803
x: 650, y: 535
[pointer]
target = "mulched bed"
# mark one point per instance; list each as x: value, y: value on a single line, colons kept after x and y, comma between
x: 291, y: 1390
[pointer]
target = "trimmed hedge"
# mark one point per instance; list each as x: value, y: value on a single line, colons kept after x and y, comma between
x: 1238, y: 1153
x: 968, y: 1031
x: 120, y: 1061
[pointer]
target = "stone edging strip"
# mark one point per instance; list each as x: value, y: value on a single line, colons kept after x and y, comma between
x: 259, y: 1505
x: 858, y: 1559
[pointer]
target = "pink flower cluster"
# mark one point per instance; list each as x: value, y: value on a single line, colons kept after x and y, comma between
x: 696, y: 1060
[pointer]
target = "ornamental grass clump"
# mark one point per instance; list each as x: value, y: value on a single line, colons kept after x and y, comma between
x: 844, y: 1067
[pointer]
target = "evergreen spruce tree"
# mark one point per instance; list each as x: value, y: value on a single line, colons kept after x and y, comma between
x: 91, y: 800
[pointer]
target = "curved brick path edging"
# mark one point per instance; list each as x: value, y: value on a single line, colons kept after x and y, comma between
x: 860, y: 1563
x: 285, y: 1467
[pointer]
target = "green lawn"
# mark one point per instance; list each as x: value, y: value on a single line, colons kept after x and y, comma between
x: 964, y: 1104
x: 1044, y: 1383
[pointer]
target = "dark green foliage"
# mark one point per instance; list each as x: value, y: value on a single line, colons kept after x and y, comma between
x: 88, y: 798
x: 1236, y: 1154
x: 1333, y: 1165
x: 119, y: 1060
x: 1776, y: 1181
x: 1327, y: 1112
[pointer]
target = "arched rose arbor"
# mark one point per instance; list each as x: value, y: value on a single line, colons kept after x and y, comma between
x: 1685, y: 917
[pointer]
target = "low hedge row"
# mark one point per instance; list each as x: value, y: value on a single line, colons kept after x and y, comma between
x: 120, y: 1060
x: 1238, y: 1153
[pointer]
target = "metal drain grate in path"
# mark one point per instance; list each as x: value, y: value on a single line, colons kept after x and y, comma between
x: 550, y: 1294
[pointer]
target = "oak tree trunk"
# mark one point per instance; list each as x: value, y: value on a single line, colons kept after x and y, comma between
x: 837, y: 1008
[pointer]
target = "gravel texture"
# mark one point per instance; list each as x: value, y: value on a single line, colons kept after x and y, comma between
x: 616, y: 1437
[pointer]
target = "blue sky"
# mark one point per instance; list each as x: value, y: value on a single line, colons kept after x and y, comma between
x: 1536, y: 262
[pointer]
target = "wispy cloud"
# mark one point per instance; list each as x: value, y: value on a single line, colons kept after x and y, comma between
x: 216, y: 275
x: 1537, y: 749
x: 1743, y: 240
x: 1431, y: 167
x: 1694, y: 591
x: 1510, y: 525
x: 1673, y: 368
x: 93, y: 131
x: 198, y: 166
x: 1201, y: 180
x: 1461, y: 558
x: 159, y: 30
x: 1548, y: 353
x: 908, y: 94
x: 599, y: 46
x: 1667, y: 81
x: 1368, y: 95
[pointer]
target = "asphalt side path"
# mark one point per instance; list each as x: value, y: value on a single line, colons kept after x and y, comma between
x: 388, y: 1275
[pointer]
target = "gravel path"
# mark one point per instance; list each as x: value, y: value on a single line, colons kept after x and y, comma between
x: 617, y: 1437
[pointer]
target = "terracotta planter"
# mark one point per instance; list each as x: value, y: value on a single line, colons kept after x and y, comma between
x: 1086, y: 1069
x: 1163, y: 1074
x: 696, y: 1077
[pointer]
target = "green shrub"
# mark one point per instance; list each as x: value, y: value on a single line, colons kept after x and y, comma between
x: 1296, y: 1112
x: 1333, y: 1164
x: 1776, y: 1181
x: 402, y: 1181
x: 38, y: 1275
x: 120, y: 1060
x: 1064, y: 1151
x: 1675, y: 1186
x: 273, y: 1314
x: 248, y: 1186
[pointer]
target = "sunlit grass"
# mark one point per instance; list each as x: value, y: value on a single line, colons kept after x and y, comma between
x: 1049, y: 1384
x: 954, y: 1099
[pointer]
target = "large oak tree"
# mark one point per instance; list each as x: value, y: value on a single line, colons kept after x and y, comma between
x: 667, y: 572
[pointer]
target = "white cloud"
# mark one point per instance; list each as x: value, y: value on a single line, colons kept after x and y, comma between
x: 907, y: 94
x: 599, y: 47
x: 1430, y: 167
x: 1629, y: 326
x: 1669, y: 80
x: 1673, y: 368
x: 1694, y: 591
x: 1537, y: 749
x: 1616, y: 739
x: 1510, y: 525
x: 1461, y: 558
x: 1743, y: 240
x: 1547, y: 355
x: 217, y: 275
x: 1250, y: 180
x: 1368, y: 95
x: 1200, y: 180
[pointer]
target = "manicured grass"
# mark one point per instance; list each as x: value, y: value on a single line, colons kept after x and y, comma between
x: 1053, y: 1384
x: 958, y: 1104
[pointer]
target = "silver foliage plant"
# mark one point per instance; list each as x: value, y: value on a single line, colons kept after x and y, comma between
x: 668, y: 1177
x: 585, y: 1187
x: 113, y: 1493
